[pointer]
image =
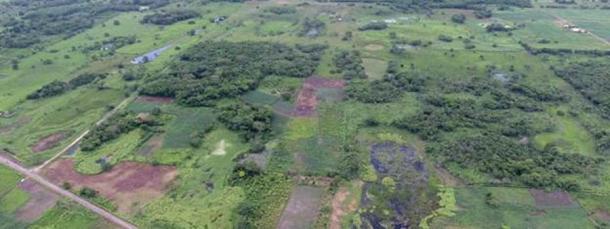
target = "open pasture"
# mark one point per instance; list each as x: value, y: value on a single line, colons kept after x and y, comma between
x: 510, y: 207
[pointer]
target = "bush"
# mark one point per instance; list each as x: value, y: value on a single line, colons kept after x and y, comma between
x: 374, y: 26
x: 458, y: 18
x: 170, y: 17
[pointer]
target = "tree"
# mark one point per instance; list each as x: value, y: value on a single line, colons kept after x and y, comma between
x: 87, y: 192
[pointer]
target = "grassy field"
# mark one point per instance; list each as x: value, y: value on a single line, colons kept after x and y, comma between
x: 11, y: 197
x: 69, y: 215
x: 513, y: 208
x: 570, y: 136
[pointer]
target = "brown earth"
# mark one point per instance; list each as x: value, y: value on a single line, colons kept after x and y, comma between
x: 307, y: 99
x: 552, y: 199
x: 48, y: 142
x: 302, y: 208
x: 602, y: 215
x: 127, y: 184
x: 339, y: 210
x: 40, y: 201
x: 22, y: 120
x: 155, y: 99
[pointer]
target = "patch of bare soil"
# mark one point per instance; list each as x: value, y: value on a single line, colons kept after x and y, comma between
x: 302, y: 208
x: 127, y: 184
x: 602, y: 214
x: 155, y: 99
x: 40, y: 201
x: 48, y: 142
x: 22, y: 120
x: 307, y: 99
x: 339, y: 208
x: 555, y: 199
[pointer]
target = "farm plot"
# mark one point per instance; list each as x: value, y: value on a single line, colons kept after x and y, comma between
x: 542, y: 29
x: 128, y: 184
x: 302, y: 209
x: 595, y: 21
x: 307, y: 100
x: 186, y: 123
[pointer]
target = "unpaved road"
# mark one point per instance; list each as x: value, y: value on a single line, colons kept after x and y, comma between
x: 80, y: 137
x: 42, y: 181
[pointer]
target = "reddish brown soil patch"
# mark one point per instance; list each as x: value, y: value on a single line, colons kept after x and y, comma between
x: 307, y: 100
x: 22, y: 120
x: 602, y: 214
x: 48, y: 142
x: 552, y: 199
x: 339, y: 210
x: 155, y: 99
x: 127, y: 184
x: 40, y: 201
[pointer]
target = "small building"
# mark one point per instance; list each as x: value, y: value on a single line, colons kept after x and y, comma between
x: 143, y: 8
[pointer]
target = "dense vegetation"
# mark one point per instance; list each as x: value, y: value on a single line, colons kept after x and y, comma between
x: 37, y: 20
x: 410, y: 5
x: 508, y: 161
x: 169, y: 17
x: 349, y: 63
x: 58, y: 87
x: 592, y: 80
x: 254, y: 123
x: 374, y: 26
x: 388, y: 89
x: 214, y: 70
x: 312, y: 27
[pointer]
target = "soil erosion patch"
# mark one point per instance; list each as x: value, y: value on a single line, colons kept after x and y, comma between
x: 307, y: 100
x: 48, y: 142
x: 40, y: 201
x: 127, y: 184
x: 552, y: 199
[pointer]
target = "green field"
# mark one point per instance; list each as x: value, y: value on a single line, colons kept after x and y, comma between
x: 513, y: 208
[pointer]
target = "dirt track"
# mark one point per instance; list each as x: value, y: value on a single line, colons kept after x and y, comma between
x: 41, y: 180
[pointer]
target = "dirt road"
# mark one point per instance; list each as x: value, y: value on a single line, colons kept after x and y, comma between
x: 41, y: 180
x: 77, y: 140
